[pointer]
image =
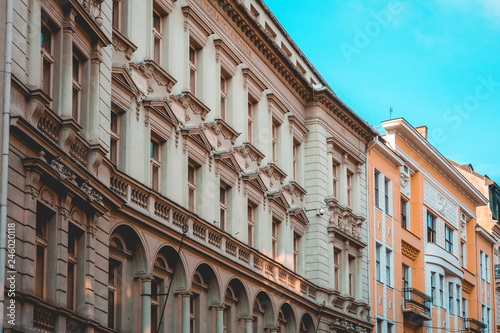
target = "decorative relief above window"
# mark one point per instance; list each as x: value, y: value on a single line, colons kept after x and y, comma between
x: 297, y: 128
x: 276, y: 108
x: 226, y: 57
x: 253, y: 84
x: 193, y: 110
x: 198, y: 29
x: 226, y: 135
x: 344, y: 221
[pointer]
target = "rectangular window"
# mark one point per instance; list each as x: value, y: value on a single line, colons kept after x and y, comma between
x: 388, y: 268
x: 294, y: 160
x: 376, y: 186
x: 113, y: 267
x: 193, y: 310
x: 77, y: 85
x: 390, y: 328
x: 431, y: 228
x: 275, y: 142
x: 157, y: 36
x: 351, y: 276
x: 250, y: 119
x: 450, y: 297
x: 380, y: 322
x: 155, y: 163
x: 463, y: 254
x: 448, y: 239
x: 483, y: 313
x: 433, y: 288
x: 377, y: 262
x: 457, y: 300
x: 223, y: 98
x: 481, y: 264
x: 335, y: 180
x: 192, y: 187
x: 275, y: 239
x: 336, y: 259
x: 296, y: 239
x: 404, y: 213
x: 441, y: 290
x: 349, y: 189
x: 156, y: 283
x: 487, y: 268
x: 43, y: 217
x: 464, y: 308
x: 386, y: 195
x: 193, y: 68
x: 250, y: 214
x: 223, y: 206
x: 406, y: 276
x: 47, y: 56
x: 73, y: 240
x: 114, y: 135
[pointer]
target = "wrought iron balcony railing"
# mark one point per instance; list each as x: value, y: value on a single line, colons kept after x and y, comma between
x: 417, y: 303
x: 473, y: 325
x: 497, y: 271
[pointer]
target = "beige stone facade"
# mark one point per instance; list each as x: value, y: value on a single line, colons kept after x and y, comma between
x: 140, y: 125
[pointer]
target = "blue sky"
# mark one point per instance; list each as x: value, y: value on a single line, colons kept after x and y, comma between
x: 436, y: 63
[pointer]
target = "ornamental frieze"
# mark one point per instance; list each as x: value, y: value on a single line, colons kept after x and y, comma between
x: 343, y: 219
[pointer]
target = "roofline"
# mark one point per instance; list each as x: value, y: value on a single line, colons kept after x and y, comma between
x: 402, y: 124
x: 329, y: 90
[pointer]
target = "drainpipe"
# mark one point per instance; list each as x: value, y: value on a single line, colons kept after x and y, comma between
x: 368, y: 147
x: 5, y: 152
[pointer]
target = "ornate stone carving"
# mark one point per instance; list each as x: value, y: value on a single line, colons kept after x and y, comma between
x: 63, y: 172
x: 92, y: 194
x: 343, y: 219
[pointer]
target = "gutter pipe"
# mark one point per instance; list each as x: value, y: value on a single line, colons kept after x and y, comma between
x: 5, y: 153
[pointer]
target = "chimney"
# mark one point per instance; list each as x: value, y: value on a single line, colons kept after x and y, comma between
x: 422, y: 130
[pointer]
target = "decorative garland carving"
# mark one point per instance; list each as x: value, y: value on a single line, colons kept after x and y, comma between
x: 342, y: 218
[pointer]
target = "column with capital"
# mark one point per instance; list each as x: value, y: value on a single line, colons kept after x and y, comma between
x: 146, y: 305
x: 356, y: 193
x: 219, y: 320
x: 344, y: 269
x: 66, y: 87
x: 92, y: 117
x: 343, y: 200
x: 186, y: 300
x: 248, y: 325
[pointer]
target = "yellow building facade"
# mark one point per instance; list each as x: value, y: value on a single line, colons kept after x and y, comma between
x: 430, y: 262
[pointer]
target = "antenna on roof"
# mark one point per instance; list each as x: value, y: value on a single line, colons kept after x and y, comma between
x: 390, y: 112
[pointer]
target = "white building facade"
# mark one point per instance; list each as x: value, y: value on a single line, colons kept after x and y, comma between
x: 138, y: 126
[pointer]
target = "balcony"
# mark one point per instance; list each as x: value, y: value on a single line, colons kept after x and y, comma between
x: 473, y: 325
x: 416, y: 306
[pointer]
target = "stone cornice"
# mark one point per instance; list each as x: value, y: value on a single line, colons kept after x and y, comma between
x: 187, y: 99
x: 337, y: 142
x: 252, y: 83
x: 387, y: 153
x: 151, y: 69
x: 273, y: 171
x: 220, y: 127
x: 345, y: 116
x: 265, y: 46
x: 123, y: 44
x: 249, y: 151
x: 295, y: 189
x: 226, y: 56
x: 199, y: 29
x: 89, y: 24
